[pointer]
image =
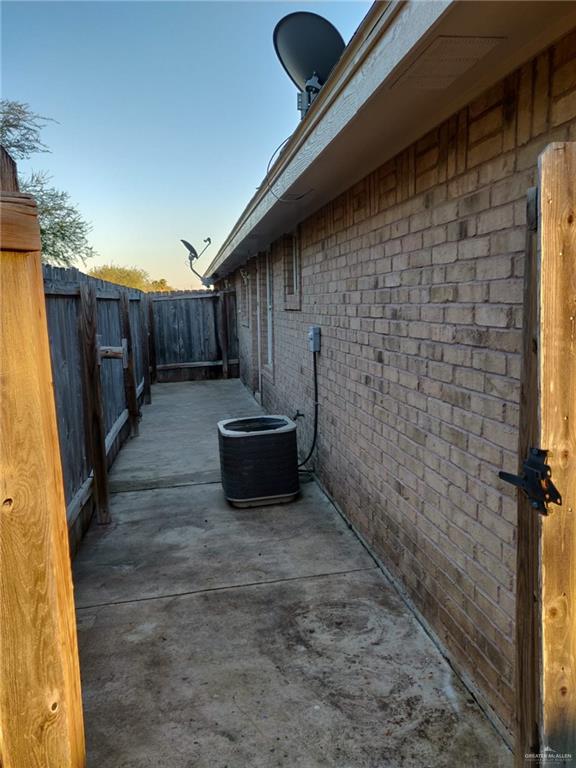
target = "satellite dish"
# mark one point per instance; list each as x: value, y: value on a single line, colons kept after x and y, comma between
x: 192, y: 252
x: 307, y: 44
x: 193, y: 255
x: 308, y: 47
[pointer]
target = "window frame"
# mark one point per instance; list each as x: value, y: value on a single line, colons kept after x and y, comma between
x: 244, y: 305
x: 292, y: 265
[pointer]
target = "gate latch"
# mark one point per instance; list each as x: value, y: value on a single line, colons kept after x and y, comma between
x: 535, y: 481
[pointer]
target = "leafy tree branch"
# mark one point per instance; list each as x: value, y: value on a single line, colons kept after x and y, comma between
x: 63, y: 231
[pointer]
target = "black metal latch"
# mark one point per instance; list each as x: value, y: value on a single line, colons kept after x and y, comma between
x: 535, y: 481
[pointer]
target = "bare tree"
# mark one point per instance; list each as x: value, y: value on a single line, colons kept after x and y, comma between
x: 20, y: 129
x: 63, y: 230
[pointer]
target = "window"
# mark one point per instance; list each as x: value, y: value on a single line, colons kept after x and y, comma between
x: 244, y: 297
x: 265, y: 313
x: 292, y: 271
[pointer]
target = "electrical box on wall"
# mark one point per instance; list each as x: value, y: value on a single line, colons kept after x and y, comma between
x: 314, y: 338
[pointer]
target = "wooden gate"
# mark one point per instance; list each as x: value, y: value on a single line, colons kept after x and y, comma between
x: 546, y: 574
x: 98, y: 384
x: 195, y: 335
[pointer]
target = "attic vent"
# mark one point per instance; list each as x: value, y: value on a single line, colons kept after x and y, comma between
x: 445, y: 60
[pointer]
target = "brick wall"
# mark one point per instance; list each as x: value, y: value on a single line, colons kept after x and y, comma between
x: 415, y: 276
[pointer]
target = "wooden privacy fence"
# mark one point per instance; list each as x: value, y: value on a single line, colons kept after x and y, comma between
x: 99, y: 344
x: 107, y: 343
x: 194, y: 335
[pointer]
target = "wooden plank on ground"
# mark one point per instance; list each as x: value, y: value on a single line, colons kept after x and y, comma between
x: 41, y: 723
x: 557, y: 375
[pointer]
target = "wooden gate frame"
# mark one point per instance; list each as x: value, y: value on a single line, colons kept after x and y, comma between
x: 546, y: 564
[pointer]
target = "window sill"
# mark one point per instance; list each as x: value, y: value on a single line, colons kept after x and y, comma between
x: 292, y: 302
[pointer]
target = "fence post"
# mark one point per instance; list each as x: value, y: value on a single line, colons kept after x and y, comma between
x: 93, y: 411
x: 528, y: 655
x: 129, y: 372
x: 41, y: 719
x: 152, y: 340
x: 557, y: 379
x: 144, y: 344
x: 223, y: 332
x: 546, y: 585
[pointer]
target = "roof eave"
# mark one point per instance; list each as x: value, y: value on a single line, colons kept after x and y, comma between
x: 348, y: 132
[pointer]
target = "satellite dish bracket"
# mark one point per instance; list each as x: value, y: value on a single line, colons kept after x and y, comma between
x: 193, y: 255
x: 306, y: 97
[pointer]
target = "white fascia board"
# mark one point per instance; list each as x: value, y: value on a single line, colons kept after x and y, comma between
x: 399, y: 29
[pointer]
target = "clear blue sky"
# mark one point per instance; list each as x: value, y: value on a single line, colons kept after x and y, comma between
x: 167, y: 113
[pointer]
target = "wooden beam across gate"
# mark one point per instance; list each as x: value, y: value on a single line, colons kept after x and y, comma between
x: 41, y: 723
x: 546, y: 584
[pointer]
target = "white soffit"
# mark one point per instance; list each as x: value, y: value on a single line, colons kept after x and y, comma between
x: 445, y: 60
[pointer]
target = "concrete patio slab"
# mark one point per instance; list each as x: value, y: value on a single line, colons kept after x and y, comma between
x: 212, y: 637
x: 327, y: 671
x: 186, y: 539
x: 178, y: 440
